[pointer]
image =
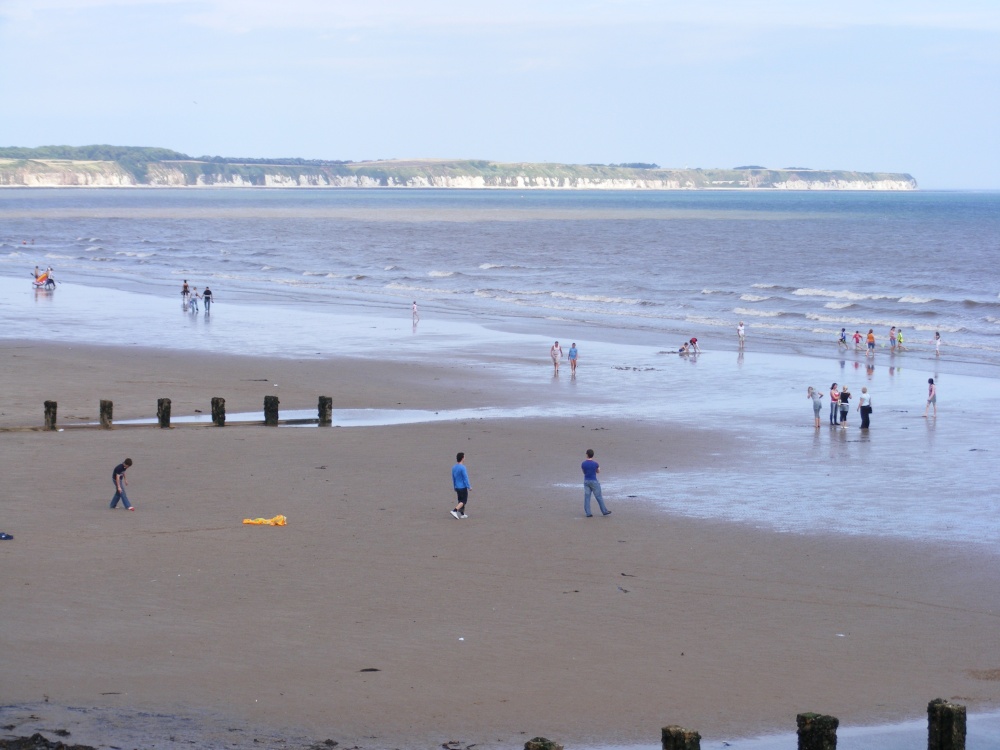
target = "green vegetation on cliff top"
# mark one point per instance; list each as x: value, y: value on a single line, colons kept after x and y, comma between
x: 136, y: 161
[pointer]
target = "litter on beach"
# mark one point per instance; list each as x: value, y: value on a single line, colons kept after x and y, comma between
x: 276, y: 521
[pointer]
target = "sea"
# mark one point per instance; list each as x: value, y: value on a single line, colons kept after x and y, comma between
x: 628, y: 276
x: 796, y: 267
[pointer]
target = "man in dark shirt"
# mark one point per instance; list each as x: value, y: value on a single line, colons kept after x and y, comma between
x: 118, y: 477
x: 590, y: 484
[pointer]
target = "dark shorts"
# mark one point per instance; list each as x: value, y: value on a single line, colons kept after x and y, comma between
x: 463, y: 494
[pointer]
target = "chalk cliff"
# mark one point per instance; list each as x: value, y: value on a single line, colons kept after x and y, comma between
x: 431, y: 174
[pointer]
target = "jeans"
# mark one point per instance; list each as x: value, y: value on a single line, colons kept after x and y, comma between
x: 592, y: 486
x: 120, y: 495
x: 834, y: 407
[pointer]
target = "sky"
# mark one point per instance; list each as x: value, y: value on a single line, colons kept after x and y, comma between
x: 870, y: 85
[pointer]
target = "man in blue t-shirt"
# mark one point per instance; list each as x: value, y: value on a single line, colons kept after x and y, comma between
x: 460, y: 480
x: 590, y: 484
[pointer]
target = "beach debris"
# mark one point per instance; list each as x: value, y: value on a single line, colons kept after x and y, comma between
x: 38, y: 742
x: 629, y: 575
x: 370, y: 669
x: 278, y: 520
x: 624, y: 591
x: 542, y: 743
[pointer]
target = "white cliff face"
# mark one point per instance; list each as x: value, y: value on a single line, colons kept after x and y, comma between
x: 56, y: 173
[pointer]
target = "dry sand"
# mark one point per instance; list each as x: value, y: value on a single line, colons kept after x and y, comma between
x: 526, y: 619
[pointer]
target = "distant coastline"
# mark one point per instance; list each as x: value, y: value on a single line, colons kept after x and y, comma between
x: 112, y: 166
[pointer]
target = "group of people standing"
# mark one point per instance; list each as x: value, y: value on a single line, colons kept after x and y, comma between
x: 895, y: 341
x: 190, y: 297
x: 840, y: 405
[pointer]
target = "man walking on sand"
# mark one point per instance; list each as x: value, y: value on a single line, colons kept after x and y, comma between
x: 460, y: 480
x: 591, y: 485
x: 118, y: 477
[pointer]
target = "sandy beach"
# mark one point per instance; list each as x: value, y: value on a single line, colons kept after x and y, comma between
x: 526, y: 619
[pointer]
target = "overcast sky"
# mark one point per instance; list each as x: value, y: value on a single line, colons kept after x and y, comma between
x: 873, y: 85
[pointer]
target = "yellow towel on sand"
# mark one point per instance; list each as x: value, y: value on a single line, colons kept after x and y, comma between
x: 276, y: 521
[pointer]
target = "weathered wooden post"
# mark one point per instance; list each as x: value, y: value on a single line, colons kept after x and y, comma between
x: 679, y: 738
x: 163, y: 412
x: 271, y: 410
x: 50, y: 415
x: 219, y: 411
x: 106, y: 414
x: 945, y: 725
x: 817, y: 732
x: 325, y: 411
x: 542, y: 743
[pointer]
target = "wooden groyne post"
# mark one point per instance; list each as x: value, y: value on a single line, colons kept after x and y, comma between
x: 325, y: 411
x: 817, y: 732
x: 219, y: 411
x: 271, y: 410
x: 679, y: 738
x: 50, y: 415
x: 945, y: 725
x: 107, y: 408
x: 163, y: 412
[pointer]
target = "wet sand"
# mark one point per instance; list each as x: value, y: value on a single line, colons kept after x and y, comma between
x: 526, y: 619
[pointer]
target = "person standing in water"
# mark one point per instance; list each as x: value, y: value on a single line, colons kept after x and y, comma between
x: 185, y: 292
x: 207, y: 297
x: 573, y: 354
x: 741, y: 334
x: 816, y: 397
x: 865, y: 407
x: 556, y: 353
x: 834, y: 404
x: 931, y: 396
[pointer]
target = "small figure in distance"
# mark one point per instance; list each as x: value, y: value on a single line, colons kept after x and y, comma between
x: 194, y: 299
x: 842, y: 339
x: 871, y: 343
x: 931, y: 396
x: 573, y: 355
x: 892, y: 339
x: 857, y: 341
x: 185, y: 293
x: 694, y: 345
x: 685, y: 349
x: 937, y: 343
x: 834, y: 404
x: 741, y: 334
x: 460, y: 480
x: 416, y: 313
x: 815, y: 395
x: 899, y: 341
x: 118, y: 477
x: 207, y: 297
x: 556, y: 353
x: 591, y: 485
